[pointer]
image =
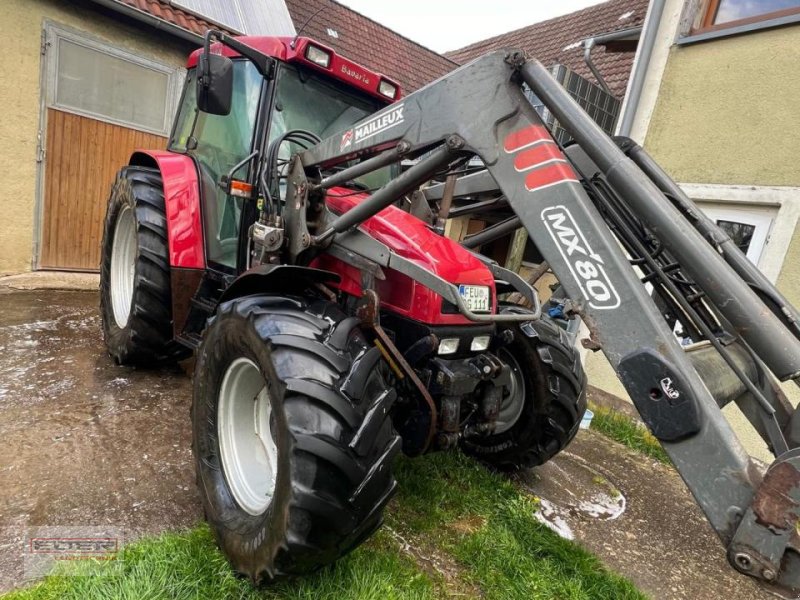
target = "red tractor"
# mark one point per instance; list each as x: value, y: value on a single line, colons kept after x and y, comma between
x: 292, y: 237
x: 305, y: 387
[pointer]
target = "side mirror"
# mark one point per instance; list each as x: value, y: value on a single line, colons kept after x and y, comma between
x: 214, y: 84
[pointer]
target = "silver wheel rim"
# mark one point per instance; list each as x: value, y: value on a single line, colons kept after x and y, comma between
x: 514, y: 402
x: 247, y: 448
x: 123, y: 266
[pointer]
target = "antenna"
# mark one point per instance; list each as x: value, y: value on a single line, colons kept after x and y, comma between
x: 303, y: 26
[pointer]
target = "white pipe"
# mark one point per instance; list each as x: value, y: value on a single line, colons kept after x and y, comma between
x: 646, y: 46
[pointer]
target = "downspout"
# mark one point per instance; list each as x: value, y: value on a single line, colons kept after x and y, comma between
x: 600, y: 40
x: 588, y: 45
x: 151, y: 20
x: 646, y: 52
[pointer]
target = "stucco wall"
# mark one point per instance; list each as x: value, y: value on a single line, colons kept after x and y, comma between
x: 20, y: 93
x: 728, y: 113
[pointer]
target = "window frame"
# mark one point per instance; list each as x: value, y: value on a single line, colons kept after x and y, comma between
x: 709, y: 13
x: 54, y: 33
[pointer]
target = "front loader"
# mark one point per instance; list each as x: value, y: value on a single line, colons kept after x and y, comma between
x: 333, y: 329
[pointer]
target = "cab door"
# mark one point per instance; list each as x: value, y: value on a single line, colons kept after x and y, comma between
x: 218, y: 144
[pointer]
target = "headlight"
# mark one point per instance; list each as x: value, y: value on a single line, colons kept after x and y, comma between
x: 318, y: 56
x: 387, y: 89
x: 448, y: 346
x: 480, y: 343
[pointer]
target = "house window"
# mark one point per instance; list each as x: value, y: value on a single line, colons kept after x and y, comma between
x: 729, y: 13
x: 748, y: 227
x: 98, y: 81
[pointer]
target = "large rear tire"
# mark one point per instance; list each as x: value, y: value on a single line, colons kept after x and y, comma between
x: 293, y: 442
x: 135, y: 291
x: 543, y: 409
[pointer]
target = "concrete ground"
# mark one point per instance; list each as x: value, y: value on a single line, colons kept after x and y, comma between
x: 86, y: 442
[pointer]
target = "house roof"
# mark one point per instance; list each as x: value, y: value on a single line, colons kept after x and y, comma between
x: 174, y: 15
x: 557, y: 41
x: 357, y: 37
x: 365, y: 41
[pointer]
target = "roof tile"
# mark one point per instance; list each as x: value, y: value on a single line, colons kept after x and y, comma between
x: 557, y: 41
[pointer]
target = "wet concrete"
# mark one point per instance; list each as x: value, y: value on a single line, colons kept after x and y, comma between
x: 82, y: 440
x: 639, y: 518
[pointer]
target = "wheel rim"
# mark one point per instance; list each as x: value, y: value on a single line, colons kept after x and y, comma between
x: 123, y: 266
x: 514, y: 402
x: 247, y: 448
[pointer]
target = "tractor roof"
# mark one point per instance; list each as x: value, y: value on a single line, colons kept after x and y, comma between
x: 295, y: 50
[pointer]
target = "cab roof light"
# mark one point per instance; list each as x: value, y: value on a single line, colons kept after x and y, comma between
x: 318, y: 56
x: 388, y: 89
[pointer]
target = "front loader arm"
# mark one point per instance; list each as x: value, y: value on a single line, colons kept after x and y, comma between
x: 480, y: 109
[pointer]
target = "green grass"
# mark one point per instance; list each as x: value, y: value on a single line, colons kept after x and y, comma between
x: 624, y: 430
x: 189, y: 566
x: 488, y: 525
x: 477, y: 522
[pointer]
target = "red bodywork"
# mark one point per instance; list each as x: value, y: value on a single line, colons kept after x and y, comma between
x: 412, y: 239
x: 404, y: 234
x: 182, y: 207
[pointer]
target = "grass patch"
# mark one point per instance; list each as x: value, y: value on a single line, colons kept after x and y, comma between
x: 488, y: 525
x: 189, y: 565
x: 626, y: 431
x: 476, y: 521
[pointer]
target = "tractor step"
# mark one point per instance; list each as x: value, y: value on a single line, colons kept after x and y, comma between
x: 204, y: 305
x: 190, y: 340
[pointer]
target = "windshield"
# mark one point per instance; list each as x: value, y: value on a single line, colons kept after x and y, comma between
x: 305, y: 101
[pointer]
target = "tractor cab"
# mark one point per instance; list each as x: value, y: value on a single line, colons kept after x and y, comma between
x: 246, y: 109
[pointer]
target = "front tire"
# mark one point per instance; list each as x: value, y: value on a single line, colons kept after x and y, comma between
x: 326, y: 446
x: 135, y: 291
x: 545, y: 405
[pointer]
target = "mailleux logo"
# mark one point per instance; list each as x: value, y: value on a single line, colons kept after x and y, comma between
x: 586, y: 266
x: 378, y: 124
x: 347, y: 139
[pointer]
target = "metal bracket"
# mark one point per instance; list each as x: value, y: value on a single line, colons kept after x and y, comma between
x: 368, y: 311
x: 766, y: 542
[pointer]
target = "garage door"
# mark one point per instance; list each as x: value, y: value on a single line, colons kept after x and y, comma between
x: 101, y: 104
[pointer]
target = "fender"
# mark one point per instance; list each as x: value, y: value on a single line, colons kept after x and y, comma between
x: 181, y: 203
x: 286, y: 279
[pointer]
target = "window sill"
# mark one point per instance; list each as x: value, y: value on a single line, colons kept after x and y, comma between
x: 704, y: 36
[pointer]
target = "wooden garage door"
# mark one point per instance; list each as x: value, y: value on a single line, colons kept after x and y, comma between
x: 102, y: 103
x: 83, y: 157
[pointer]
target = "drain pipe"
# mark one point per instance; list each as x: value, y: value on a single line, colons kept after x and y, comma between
x: 648, y: 42
x: 588, y: 45
x: 631, y: 33
x: 151, y: 20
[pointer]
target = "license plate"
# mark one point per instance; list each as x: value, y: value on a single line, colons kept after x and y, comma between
x: 476, y: 297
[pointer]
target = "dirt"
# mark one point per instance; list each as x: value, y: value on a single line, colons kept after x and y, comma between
x: 85, y: 442
x: 448, y: 575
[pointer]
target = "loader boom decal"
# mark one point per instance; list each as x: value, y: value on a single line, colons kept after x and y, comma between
x: 585, y: 265
x: 537, y: 155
